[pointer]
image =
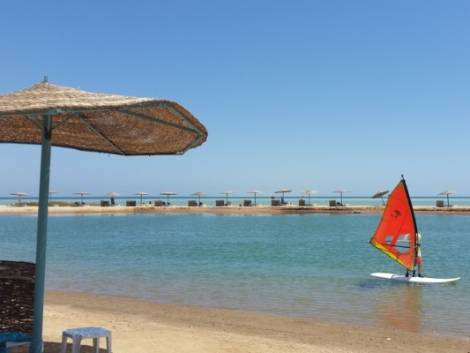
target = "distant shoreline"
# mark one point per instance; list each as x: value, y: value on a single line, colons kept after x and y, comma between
x: 224, y: 210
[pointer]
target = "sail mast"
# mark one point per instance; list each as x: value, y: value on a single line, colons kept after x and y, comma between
x: 414, y: 221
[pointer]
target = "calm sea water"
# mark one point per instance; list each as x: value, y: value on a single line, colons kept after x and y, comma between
x: 300, y: 265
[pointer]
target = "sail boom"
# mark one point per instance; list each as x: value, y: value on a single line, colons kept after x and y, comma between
x: 390, y: 254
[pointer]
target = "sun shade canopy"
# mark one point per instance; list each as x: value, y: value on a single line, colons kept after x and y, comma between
x: 380, y: 194
x: 99, y: 122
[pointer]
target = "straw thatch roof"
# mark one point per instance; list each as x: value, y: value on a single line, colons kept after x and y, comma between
x: 99, y: 122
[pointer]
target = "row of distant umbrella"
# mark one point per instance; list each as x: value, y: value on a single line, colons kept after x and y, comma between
x: 199, y: 194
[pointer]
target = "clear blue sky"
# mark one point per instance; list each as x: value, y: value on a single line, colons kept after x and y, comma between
x: 300, y: 94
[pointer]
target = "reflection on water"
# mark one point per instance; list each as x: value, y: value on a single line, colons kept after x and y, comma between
x: 400, y: 306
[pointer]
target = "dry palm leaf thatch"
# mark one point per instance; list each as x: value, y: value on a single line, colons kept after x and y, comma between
x: 99, y: 122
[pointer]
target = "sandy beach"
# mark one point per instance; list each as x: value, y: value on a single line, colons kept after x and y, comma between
x: 140, y: 326
x: 234, y: 210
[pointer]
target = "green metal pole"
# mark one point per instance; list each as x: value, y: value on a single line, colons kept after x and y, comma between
x: 41, y: 242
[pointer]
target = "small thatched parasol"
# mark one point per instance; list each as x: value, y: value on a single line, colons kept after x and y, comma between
x: 447, y: 193
x: 19, y: 195
x: 112, y: 195
x: 198, y: 194
x: 380, y: 194
x: 309, y: 193
x: 168, y: 194
x: 142, y: 194
x: 283, y: 192
x: 226, y: 193
x: 81, y: 193
x: 49, y: 115
x: 254, y: 192
x: 340, y: 192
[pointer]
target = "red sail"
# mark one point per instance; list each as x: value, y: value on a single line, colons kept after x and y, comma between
x: 396, y: 232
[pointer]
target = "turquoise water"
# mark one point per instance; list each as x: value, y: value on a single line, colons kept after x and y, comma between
x: 300, y: 265
x: 261, y: 200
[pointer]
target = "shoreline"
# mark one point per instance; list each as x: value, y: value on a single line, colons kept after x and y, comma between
x: 144, y: 326
x: 224, y: 210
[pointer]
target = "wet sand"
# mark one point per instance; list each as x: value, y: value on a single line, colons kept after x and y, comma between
x: 147, y: 327
x: 234, y: 210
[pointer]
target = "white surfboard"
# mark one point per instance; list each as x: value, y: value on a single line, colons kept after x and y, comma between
x: 422, y: 280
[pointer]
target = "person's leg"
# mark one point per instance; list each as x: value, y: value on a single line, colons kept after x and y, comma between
x: 419, y: 262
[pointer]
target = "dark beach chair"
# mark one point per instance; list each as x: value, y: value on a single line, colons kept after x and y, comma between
x: 246, y: 203
x: 219, y: 203
x: 275, y: 202
x: 192, y: 203
x: 104, y: 203
x: 131, y: 203
x: 333, y: 203
x: 302, y: 203
x: 159, y: 203
x: 440, y: 203
x: 16, y: 303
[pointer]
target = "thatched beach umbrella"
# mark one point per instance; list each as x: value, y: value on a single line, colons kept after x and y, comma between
x: 142, y: 194
x: 49, y: 115
x: 340, y: 192
x: 168, y: 194
x: 254, y: 192
x: 19, y: 195
x: 81, y: 193
x: 447, y: 193
x: 309, y: 193
x: 112, y: 195
x: 198, y: 194
x: 283, y: 192
x: 380, y: 194
x: 226, y: 193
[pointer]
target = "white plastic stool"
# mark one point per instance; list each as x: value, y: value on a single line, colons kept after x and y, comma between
x: 77, y: 334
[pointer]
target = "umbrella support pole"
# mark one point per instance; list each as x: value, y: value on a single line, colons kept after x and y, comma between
x: 40, y: 268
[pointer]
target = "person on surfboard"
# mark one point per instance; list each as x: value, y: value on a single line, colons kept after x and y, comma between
x: 397, y: 236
